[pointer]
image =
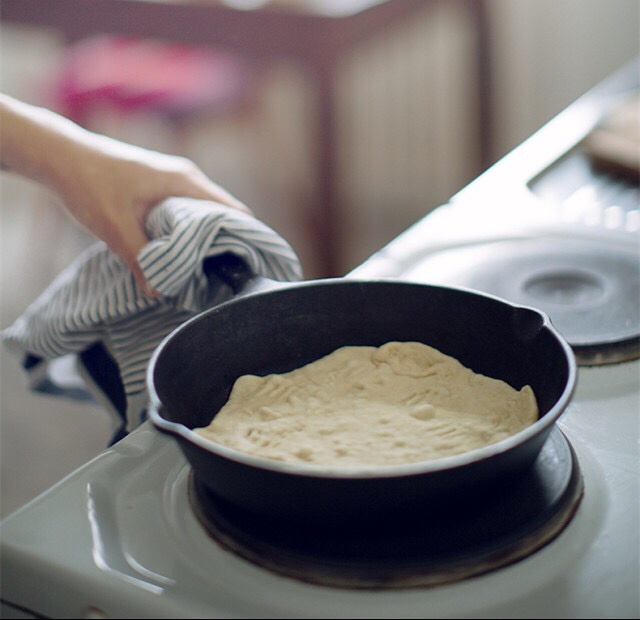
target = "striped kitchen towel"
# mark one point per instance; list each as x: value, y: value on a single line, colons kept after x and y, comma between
x: 95, y: 312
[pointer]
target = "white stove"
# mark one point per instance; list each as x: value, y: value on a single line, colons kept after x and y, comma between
x: 119, y: 538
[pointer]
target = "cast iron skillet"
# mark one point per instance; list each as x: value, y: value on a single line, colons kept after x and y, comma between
x: 270, y: 327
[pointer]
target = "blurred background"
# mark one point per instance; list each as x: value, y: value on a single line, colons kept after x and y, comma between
x: 419, y: 106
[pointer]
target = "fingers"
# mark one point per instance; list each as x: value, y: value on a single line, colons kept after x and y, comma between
x: 198, y: 185
x: 226, y: 198
x: 141, y: 281
x: 128, y: 247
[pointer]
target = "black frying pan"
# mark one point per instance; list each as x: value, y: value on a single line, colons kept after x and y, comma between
x: 270, y: 327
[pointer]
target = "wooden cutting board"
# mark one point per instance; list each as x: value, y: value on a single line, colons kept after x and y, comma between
x: 614, y: 143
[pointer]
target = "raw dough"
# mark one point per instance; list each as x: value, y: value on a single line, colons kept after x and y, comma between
x: 399, y: 403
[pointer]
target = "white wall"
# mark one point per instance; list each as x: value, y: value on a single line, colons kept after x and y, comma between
x: 549, y: 52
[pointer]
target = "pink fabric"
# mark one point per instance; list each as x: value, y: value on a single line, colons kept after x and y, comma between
x: 132, y: 74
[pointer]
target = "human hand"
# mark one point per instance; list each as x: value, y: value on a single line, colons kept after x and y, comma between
x: 112, y: 187
x: 107, y: 185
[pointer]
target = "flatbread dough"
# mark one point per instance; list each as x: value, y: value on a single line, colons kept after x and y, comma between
x: 399, y: 403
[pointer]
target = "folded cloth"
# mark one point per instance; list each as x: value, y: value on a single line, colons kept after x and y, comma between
x: 94, y: 310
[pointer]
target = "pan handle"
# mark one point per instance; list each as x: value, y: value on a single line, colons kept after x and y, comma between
x: 236, y: 273
x: 229, y: 268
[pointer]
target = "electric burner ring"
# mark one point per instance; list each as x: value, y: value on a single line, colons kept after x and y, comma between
x: 564, y: 286
x: 430, y: 550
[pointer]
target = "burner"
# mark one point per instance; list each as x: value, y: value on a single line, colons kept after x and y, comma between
x: 430, y: 549
x: 589, y: 290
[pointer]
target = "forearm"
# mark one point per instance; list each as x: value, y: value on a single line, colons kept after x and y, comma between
x: 37, y: 143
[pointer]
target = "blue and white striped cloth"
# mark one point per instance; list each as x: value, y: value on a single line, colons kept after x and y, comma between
x: 94, y: 310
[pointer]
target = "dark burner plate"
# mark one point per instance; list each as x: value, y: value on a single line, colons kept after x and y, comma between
x: 590, y: 290
x: 430, y: 550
